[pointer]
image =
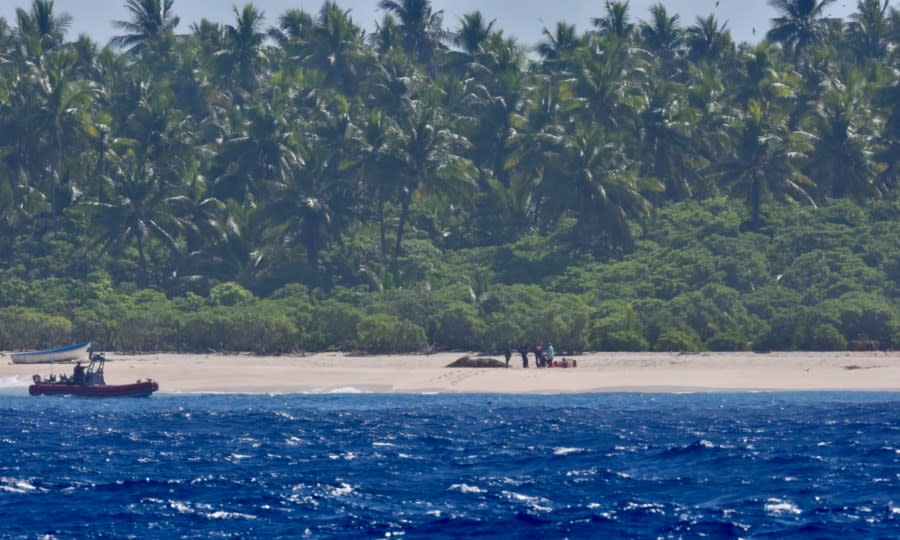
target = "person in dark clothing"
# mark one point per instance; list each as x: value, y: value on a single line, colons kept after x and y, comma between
x: 78, y: 376
x: 539, y: 356
x: 523, y: 350
x: 507, y: 354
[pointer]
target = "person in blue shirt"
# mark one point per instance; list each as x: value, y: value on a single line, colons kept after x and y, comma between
x: 549, y: 352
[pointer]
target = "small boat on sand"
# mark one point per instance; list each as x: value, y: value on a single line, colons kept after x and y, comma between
x: 49, y: 356
x: 90, y: 383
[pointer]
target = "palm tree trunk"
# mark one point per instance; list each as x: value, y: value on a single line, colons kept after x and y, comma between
x: 57, y: 180
x: 101, y: 166
x: 404, y: 213
x: 384, y: 249
x: 756, y: 202
x: 144, y: 276
x: 312, y: 247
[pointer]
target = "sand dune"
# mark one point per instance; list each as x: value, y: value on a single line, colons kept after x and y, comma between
x: 596, y: 372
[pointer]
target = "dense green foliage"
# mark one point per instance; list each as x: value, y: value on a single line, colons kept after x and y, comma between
x: 638, y: 186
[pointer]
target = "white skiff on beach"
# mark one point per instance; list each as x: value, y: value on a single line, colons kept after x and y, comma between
x: 49, y: 356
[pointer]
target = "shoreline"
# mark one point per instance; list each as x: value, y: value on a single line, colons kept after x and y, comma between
x: 334, y: 373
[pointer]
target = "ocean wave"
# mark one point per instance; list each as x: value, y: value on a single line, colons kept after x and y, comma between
x: 342, y: 490
x: 365, y: 465
x: 701, y: 445
x: 535, y: 502
x: 220, y: 514
x: 13, y: 381
x: 781, y: 507
x: 465, y: 488
x: 644, y: 507
x: 16, y: 485
x: 13, y: 386
x: 564, y: 451
x: 347, y: 390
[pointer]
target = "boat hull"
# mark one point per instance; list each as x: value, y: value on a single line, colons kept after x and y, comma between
x: 49, y: 356
x: 138, y: 389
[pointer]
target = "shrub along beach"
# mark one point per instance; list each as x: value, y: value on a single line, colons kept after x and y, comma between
x: 285, y: 183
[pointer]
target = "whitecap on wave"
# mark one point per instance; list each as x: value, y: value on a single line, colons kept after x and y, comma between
x: 537, y: 503
x: 12, y: 381
x: 346, y: 390
x: 650, y: 508
x: 564, y: 451
x: 229, y: 515
x: 465, y: 488
x: 16, y: 485
x: 343, y: 489
x: 12, y: 384
x: 202, y: 509
x: 780, y: 507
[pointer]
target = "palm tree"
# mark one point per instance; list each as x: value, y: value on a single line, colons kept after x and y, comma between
x: 888, y: 142
x: 666, y: 123
x: 201, y: 219
x: 239, y: 253
x: 498, y: 106
x: 607, y: 81
x: 707, y: 95
x: 801, y: 23
x: 387, y: 35
x: 40, y: 29
x: 420, y: 28
x: 53, y: 114
x: 136, y: 214
x: 313, y: 204
x: 870, y: 29
x: 559, y: 46
x: 164, y: 132
x: 708, y: 40
x: 151, y: 28
x: 260, y: 147
x: 426, y: 159
x: 294, y: 28
x: 243, y: 56
x: 380, y: 134
x: 616, y: 21
x: 762, y: 161
x: 473, y: 33
x: 763, y: 77
x: 597, y: 183
x: 663, y: 36
x: 841, y: 160
x: 336, y: 48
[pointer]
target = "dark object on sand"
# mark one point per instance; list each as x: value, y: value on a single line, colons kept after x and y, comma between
x: 468, y: 361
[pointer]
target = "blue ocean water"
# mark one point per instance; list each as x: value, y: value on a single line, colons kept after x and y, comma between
x: 802, y: 465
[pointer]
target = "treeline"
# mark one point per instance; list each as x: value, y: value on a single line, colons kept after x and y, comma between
x: 293, y: 183
x: 814, y: 279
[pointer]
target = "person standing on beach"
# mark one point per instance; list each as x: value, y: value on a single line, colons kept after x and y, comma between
x: 523, y: 350
x: 507, y: 354
x: 550, y: 352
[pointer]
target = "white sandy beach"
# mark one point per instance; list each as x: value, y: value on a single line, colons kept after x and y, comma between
x: 596, y: 372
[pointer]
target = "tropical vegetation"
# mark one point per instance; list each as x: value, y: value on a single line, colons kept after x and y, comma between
x: 290, y: 182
